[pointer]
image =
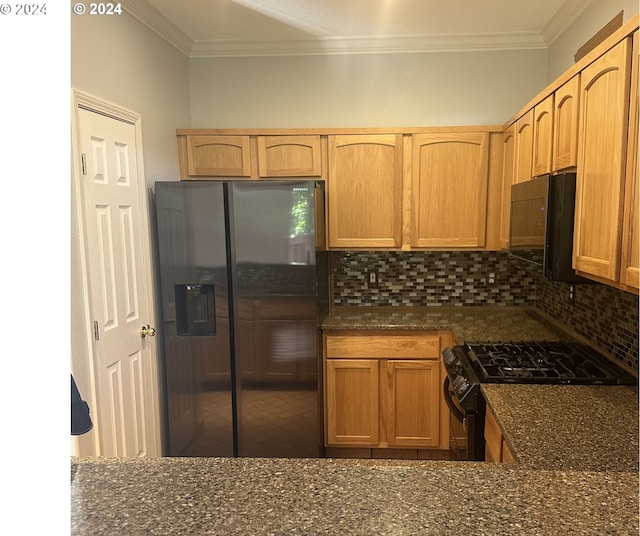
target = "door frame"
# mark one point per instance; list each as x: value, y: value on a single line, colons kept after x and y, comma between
x: 81, y: 99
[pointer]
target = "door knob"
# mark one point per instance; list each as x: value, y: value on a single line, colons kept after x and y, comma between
x: 147, y: 331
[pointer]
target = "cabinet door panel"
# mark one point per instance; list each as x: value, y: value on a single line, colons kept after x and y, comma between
x: 364, y: 191
x: 352, y: 402
x: 493, y: 438
x: 508, y: 142
x: 219, y: 156
x: 449, y: 189
x: 542, y: 136
x: 604, y: 105
x: 630, y: 272
x: 413, y: 389
x: 289, y: 156
x: 565, y: 120
x: 524, y: 147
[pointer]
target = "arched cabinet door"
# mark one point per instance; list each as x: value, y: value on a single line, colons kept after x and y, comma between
x: 218, y: 156
x: 565, y: 124
x: 508, y: 163
x: 630, y: 269
x: 542, y: 137
x: 364, y: 191
x: 449, y: 183
x: 604, y: 108
x: 289, y: 156
x: 524, y: 147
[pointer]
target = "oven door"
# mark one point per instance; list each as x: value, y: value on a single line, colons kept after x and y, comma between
x: 466, y: 428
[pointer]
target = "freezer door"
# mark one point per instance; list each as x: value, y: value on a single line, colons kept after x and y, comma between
x: 276, y: 350
x: 195, y: 318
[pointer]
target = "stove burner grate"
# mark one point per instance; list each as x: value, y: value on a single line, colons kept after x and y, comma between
x: 541, y: 362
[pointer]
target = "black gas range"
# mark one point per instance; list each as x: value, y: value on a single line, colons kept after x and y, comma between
x: 471, y: 364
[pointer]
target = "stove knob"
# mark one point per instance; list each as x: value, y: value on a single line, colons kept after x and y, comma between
x: 449, y: 357
x: 460, y: 385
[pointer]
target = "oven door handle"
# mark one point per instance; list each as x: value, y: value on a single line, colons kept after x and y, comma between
x: 447, y: 398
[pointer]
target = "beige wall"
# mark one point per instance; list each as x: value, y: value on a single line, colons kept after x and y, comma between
x: 419, y: 89
x: 594, y: 17
x: 121, y: 61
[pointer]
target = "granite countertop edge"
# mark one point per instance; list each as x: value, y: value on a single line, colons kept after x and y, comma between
x: 266, y: 496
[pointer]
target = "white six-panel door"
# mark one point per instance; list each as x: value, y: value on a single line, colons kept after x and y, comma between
x: 119, y: 289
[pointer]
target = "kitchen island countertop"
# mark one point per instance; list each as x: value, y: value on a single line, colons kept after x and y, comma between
x: 257, y: 496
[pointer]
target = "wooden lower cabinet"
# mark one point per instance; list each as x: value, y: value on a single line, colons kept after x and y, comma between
x: 496, y: 448
x: 383, y: 391
x: 351, y: 402
x: 413, y: 403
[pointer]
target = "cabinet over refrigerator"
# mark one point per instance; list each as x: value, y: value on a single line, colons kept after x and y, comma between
x: 243, y: 284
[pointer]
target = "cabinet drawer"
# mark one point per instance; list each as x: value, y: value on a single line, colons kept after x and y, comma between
x: 404, y: 346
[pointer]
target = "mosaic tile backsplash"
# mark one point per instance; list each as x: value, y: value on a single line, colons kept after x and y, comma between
x: 606, y: 316
x: 430, y: 278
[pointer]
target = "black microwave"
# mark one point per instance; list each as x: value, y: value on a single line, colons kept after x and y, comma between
x: 541, y: 229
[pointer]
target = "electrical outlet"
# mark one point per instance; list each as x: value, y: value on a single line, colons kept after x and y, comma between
x: 572, y: 293
x: 490, y: 279
x: 372, y: 279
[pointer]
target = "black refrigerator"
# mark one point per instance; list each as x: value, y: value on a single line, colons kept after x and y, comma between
x: 243, y: 286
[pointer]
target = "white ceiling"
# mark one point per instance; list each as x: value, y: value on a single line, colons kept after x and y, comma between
x: 283, y: 27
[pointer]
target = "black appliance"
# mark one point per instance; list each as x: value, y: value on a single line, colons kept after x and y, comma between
x: 471, y: 364
x: 244, y: 286
x: 541, y: 229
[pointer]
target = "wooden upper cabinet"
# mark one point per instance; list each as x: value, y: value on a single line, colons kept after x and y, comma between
x: 524, y: 147
x: 364, y: 191
x: 604, y: 107
x: 449, y: 189
x: 630, y: 265
x: 218, y: 156
x: 508, y: 164
x: 542, y: 137
x: 289, y: 156
x: 565, y: 124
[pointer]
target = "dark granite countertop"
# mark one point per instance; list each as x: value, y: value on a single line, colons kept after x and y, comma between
x: 468, y: 323
x: 568, y: 427
x: 254, y: 496
x: 577, y: 470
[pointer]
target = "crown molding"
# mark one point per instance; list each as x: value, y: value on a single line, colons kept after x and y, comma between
x: 393, y: 44
x: 150, y: 17
x: 569, y: 11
